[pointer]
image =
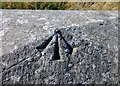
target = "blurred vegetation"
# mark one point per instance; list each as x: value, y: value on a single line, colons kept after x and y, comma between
x: 61, y: 5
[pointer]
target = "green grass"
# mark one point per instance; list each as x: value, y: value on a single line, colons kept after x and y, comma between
x: 35, y: 5
x: 61, y: 5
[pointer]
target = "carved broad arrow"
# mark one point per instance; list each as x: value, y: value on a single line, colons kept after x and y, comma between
x: 56, y: 56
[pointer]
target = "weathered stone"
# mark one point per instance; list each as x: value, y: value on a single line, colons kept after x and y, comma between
x: 93, y: 36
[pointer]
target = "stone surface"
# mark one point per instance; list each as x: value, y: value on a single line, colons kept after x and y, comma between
x: 92, y: 34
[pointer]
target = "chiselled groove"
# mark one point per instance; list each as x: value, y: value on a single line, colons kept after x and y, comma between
x: 69, y: 49
x: 44, y: 44
x: 56, y: 55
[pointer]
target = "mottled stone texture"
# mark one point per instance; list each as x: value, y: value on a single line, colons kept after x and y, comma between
x: 92, y: 34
